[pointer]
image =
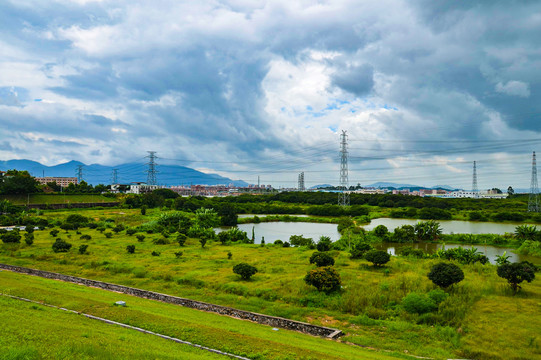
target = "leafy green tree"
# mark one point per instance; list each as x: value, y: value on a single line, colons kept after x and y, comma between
x: 321, y: 259
x: 516, y: 273
x: 403, y: 234
x: 525, y: 232
x: 18, y: 182
x: 324, y: 243
x: 12, y: 236
x: 299, y: 240
x: 377, y: 257
x: 445, y: 274
x: 381, y: 231
x: 181, y: 239
x: 228, y: 215
x: 325, y: 279
x: 359, y: 250
x: 61, y: 246
x: 427, y: 230
x: 140, y: 237
x: 29, y: 238
x: 206, y: 218
x: 244, y: 270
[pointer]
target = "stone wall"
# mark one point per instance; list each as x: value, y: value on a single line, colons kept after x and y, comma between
x: 224, y: 310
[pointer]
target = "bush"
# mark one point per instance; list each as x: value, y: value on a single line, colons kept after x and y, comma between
x: 156, y: 253
x: 76, y: 219
x: 140, y: 237
x: 377, y: 257
x: 160, y: 241
x: 286, y: 244
x: 325, y: 279
x: 181, y: 239
x: 418, y: 303
x: 516, y: 273
x: 229, y: 255
x: 299, y: 240
x: 144, y: 210
x: 29, y: 238
x: 11, y: 237
x: 82, y: 249
x: 438, y: 295
x: 321, y: 259
x: 278, y: 242
x: 359, y: 250
x: 54, y: 232
x: 61, y: 246
x: 445, y: 274
x: 108, y: 234
x: 381, y: 231
x: 131, y: 231
x: 86, y: 237
x: 178, y: 254
x: 130, y: 249
x: 203, y: 241
x: 324, y: 244
x: 118, y: 228
x: 410, y: 251
x: 244, y: 270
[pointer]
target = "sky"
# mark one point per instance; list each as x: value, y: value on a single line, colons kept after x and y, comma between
x: 248, y: 88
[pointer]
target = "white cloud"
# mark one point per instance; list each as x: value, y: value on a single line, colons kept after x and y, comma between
x: 514, y: 88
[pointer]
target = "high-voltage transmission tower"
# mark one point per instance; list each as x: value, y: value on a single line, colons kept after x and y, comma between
x: 474, y: 188
x: 533, y: 201
x: 301, y: 181
x: 343, y: 195
x: 79, y: 173
x: 151, y: 178
x: 115, y: 177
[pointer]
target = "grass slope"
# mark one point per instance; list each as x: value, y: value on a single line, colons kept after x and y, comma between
x: 55, y: 199
x: 68, y: 332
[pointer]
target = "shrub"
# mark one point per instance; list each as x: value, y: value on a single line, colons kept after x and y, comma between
x: 86, y: 237
x: 77, y: 219
x: 203, y: 241
x: 11, y: 237
x: 438, y: 295
x: 445, y: 274
x: 108, y: 234
x: 516, y: 273
x: 377, y: 257
x: 143, y: 210
x: 410, y: 251
x: 325, y: 279
x: 131, y: 231
x: 29, y: 238
x: 61, y: 246
x: 324, y: 244
x: 359, y: 250
x: 286, y: 244
x: 181, y: 239
x: 140, y: 237
x: 160, y: 241
x: 54, y: 232
x: 130, y: 249
x: 299, y: 240
x: 118, y: 228
x: 156, y: 253
x: 278, y: 242
x: 244, y: 270
x: 178, y: 254
x: 381, y: 231
x: 418, y: 303
x: 229, y: 255
x: 82, y: 249
x: 321, y: 259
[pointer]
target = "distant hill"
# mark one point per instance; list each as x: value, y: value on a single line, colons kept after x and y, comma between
x: 381, y: 184
x: 126, y: 173
x: 322, y: 186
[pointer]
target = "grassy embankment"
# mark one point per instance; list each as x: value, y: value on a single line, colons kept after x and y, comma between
x: 40, y: 332
x: 367, y: 309
x: 55, y: 199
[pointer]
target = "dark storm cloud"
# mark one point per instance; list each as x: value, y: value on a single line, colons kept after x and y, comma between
x: 356, y: 79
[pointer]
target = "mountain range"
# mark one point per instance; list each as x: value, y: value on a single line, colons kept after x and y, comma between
x: 126, y: 173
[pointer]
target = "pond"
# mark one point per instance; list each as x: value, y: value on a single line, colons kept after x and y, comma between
x: 281, y: 230
x: 449, y: 226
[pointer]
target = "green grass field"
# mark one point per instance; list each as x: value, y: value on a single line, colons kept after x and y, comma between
x: 43, y: 332
x: 478, y: 310
x: 55, y: 199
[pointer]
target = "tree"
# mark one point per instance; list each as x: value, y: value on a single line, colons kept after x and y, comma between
x: 510, y: 191
x: 130, y: 249
x: 321, y: 259
x: 325, y: 279
x: 11, y: 237
x: 377, y: 257
x: 244, y: 270
x: 61, y: 246
x: 324, y: 243
x: 18, y: 182
x: 381, y: 231
x: 516, y: 273
x: 206, y: 218
x: 445, y: 274
x: 82, y: 249
x: 228, y: 215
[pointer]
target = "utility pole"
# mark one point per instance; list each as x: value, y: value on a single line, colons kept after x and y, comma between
x: 474, y: 188
x: 115, y: 177
x: 301, y: 181
x: 151, y: 178
x: 79, y: 173
x: 343, y: 196
x: 533, y: 200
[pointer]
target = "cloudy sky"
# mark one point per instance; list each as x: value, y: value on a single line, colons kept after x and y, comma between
x: 246, y: 87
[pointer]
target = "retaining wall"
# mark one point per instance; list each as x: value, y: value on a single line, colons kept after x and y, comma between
x: 224, y: 310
